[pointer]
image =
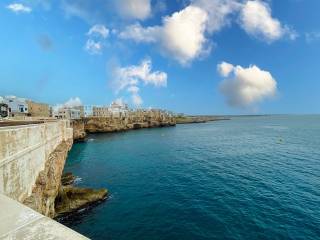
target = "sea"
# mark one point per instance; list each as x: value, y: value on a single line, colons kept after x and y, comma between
x: 250, y: 177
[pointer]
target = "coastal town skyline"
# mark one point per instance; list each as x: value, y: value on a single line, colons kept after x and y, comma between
x: 196, y: 57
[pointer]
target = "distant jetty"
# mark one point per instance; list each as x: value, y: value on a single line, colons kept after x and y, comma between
x: 199, y: 119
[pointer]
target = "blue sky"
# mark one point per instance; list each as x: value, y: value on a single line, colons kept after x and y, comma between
x: 165, y: 54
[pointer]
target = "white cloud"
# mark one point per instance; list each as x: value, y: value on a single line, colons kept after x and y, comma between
x: 137, y: 100
x: 19, y: 8
x: 97, y: 35
x: 98, y: 30
x: 81, y: 8
x: 256, y: 20
x: 225, y: 69
x: 129, y: 78
x: 134, y: 9
x: 312, y: 36
x: 132, y: 75
x: 247, y: 86
x: 181, y: 36
x: 133, y: 89
x: 218, y: 12
x: 72, y: 102
x: 184, y: 34
x: 93, y: 47
x: 140, y: 34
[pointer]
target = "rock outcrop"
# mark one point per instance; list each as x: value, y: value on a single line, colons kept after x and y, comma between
x: 67, y: 179
x: 72, y: 198
x: 48, y: 183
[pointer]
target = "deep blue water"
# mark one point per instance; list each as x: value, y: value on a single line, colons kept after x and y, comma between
x: 248, y: 178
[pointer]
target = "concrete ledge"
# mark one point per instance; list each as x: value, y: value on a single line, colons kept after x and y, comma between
x: 20, y: 222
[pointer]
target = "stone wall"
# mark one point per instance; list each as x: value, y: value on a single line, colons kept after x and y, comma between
x: 24, y: 152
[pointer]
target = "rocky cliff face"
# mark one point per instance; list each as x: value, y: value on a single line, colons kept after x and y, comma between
x: 79, y: 133
x: 134, y: 120
x: 48, y: 182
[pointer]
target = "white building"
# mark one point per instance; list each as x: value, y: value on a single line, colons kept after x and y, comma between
x: 88, y: 110
x: 16, y: 106
x: 118, y: 109
x: 69, y: 113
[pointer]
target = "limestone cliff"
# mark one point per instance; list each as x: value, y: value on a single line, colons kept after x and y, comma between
x: 79, y: 133
x: 48, y: 182
x: 134, y: 120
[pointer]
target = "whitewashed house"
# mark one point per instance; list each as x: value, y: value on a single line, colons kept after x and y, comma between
x: 16, y: 106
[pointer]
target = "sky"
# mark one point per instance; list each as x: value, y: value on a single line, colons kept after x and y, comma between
x: 187, y: 56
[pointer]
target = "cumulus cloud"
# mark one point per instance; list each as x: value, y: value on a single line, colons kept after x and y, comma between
x: 184, y: 35
x: 97, y: 35
x: 181, y: 35
x: 93, y: 47
x: 98, y: 30
x: 129, y: 78
x: 72, y: 102
x: 134, y: 9
x: 19, y: 8
x: 218, y: 11
x: 225, y: 69
x: 256, y: 20
x: 247, y: 86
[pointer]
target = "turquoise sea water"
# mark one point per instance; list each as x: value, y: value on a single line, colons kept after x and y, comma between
x: 248, y: 178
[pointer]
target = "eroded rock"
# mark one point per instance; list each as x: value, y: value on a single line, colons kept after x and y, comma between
x: 72, y: 198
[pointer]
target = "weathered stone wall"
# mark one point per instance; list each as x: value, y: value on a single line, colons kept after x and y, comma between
x: 132, y: 120
x: 24, y: 152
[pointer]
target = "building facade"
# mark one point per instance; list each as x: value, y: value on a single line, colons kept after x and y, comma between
x: 38, y: 109
x: 87, y: 110
x: 101, y: 111
x: 16, y: 106
x: 68, y: 113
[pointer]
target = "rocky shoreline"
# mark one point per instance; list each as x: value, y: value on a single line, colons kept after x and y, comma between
x: 71, y: 198
x: 54, y: 193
